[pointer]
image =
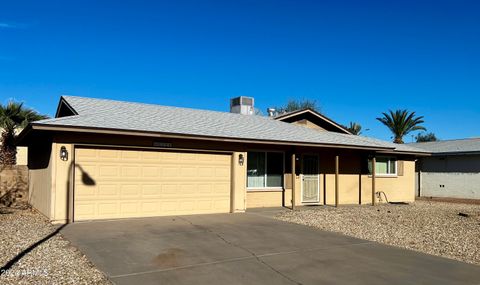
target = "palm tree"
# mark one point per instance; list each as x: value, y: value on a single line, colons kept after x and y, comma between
x: 401, y: 123
x: 355, y: 128
x: 13, y: 116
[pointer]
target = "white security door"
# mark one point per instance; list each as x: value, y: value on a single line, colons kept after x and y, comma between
x: 310, y: 179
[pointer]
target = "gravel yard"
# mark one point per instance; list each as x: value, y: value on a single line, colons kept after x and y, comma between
x: 430, y: 227
x: 54, y: 261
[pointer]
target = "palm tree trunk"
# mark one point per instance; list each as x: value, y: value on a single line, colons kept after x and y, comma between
x: 398, y: 140
x: 8, y: 150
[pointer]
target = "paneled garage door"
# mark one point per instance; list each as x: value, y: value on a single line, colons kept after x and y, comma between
x: 112, y: 183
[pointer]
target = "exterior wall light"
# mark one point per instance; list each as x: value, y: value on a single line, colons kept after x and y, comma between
x: 241, y: 159
x: 63, y: 153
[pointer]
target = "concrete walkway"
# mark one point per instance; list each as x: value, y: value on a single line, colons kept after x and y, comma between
x: 251, y: 248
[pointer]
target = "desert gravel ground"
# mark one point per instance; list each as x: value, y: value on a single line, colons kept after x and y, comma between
x: 431, y: 227
x: 54, y: 261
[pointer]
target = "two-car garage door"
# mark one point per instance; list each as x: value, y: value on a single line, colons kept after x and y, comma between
x: 119, y: 183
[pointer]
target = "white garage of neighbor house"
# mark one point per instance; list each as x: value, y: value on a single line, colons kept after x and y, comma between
x: 452, y: 171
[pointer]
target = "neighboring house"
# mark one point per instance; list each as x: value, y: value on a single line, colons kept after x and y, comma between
x: 21, y: 153
x: 453, y: 169
x: 105, y: 159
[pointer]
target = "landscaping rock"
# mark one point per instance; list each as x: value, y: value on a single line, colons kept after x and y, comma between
x: 54, y: 261
x: 430, y: 227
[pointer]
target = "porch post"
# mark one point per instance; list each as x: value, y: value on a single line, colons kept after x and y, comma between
x: 337, y: 168
x: 374, y: 161
x: 293, y: 181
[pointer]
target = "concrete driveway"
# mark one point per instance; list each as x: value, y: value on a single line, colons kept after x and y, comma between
x: 251, y: 248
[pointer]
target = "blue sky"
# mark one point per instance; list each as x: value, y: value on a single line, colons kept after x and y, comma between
x: 356, y: 58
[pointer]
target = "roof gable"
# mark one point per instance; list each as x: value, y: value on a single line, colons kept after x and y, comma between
x: 64, y: 109
x: 315, y: 117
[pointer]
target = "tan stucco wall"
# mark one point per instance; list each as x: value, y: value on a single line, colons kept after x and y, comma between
x: 40, y: 179
x: 63, y: 175
x: 298, y: 192
x: 239, y: 182
x: 397, y: 189
x: 349, y: 189
x: 49, y: 183
x: 259, y: 199
x: 22, y: 155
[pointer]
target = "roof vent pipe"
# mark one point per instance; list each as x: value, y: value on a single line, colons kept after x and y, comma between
x: 271, y: 112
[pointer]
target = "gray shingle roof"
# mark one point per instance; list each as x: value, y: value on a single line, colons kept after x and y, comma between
x: 109, y: 114
x: 450, y: 146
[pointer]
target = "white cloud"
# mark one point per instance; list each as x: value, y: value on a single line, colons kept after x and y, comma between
x: 6, y: 25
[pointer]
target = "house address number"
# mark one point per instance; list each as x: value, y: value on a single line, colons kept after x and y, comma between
x: 162, y: 144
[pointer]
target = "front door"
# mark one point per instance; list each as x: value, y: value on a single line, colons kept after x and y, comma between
x: 310, y: 179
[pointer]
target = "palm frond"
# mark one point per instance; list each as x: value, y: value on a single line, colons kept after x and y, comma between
x: 355, y: 128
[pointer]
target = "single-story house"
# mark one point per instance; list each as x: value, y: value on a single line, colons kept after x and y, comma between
x: 452, y: 170
x: 105, y: 159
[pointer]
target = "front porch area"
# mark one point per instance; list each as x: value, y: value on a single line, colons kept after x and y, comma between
x: 327, y: 177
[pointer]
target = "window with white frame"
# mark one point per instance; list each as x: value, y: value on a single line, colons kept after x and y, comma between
x: 384, y: 166
x: 265, y: 169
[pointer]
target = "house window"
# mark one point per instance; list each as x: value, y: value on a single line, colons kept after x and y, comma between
x: 264, y: 169
x: 384, y: 166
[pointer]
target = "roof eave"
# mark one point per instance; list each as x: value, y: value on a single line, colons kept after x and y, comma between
x: 453, y: 153
x: 406, y: 153
x: 21, y: 136
x: 50, y: 127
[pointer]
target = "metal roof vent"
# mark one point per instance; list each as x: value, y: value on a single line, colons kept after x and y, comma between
x: 242, y: 105
x: 272, y: 112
